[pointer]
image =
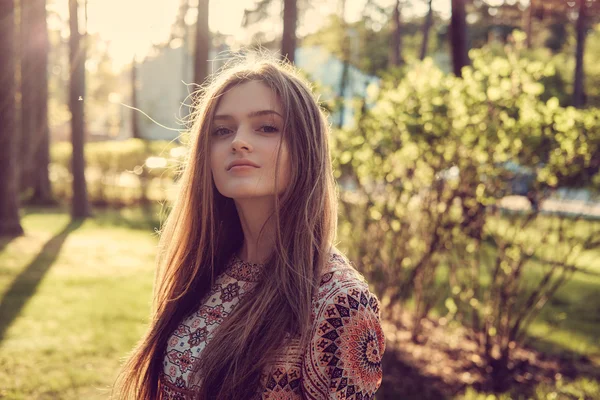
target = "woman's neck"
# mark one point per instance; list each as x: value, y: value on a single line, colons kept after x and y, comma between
x: 254, y: 215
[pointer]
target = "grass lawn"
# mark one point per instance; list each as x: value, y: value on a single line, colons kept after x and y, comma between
x: 569, y: 324
x: 74, y: 299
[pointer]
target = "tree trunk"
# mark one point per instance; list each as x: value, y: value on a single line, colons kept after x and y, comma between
x: 42, y: 190
x: 396, y: 50
x: 345, y: 64
x: 290, y: 20
x: 10, y: 224
x: 458, y: 37
x: 426, y: 29
x: 202, y: 43
x: 135, y: 128
x: 34, y: 99
x: 578, y: 89
x: 28, y: 47
x: 80, y: 206
x: 528, y: 22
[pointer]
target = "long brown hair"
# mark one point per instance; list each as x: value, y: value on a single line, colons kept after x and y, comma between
x: 203, y: 230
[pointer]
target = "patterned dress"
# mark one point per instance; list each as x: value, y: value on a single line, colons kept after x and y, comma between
x: 342, y: 361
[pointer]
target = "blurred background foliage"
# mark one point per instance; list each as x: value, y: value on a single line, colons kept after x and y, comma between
x: 466, y: 147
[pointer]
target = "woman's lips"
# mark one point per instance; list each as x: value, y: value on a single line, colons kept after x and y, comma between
x: 242, y: 167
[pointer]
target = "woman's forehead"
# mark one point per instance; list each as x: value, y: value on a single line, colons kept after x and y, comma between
x: 248, y: 97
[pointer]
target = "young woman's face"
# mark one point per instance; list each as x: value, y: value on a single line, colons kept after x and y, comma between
x: 247, y: 129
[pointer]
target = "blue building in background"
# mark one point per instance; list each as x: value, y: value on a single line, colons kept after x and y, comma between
x: 164, y: 86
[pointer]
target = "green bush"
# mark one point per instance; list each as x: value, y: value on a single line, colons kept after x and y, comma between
x: 422, y: 177
x: 119, y: 172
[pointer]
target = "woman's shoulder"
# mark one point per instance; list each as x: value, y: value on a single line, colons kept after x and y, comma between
x: 340, y: 278
x: 340, y: 270
x: 347, y: 342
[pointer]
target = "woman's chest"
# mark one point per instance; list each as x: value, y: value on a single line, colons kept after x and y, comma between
x: 188, y: 340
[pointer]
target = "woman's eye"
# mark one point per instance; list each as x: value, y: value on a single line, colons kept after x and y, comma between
x: 269, y: 129
x: 221, y: 131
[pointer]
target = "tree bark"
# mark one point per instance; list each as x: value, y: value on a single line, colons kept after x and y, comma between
x: 528, y: 23
x: 28, y: 110
x: 135, y: 128
x: 290, y: 20
x: 578, y: 89
x: 345, y: 64
x: 396, y: 50
x: 80, y: 206
x: 458, y: 37
x: 426, y: 29
x: 202, y: 43
x: 10, y: 224
x: 40, y: 145
x: 42, y: 188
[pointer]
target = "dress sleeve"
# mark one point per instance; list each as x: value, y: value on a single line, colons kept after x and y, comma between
x: 343, y: 360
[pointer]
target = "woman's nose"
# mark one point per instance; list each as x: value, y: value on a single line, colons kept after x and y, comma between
x: 241, y: 140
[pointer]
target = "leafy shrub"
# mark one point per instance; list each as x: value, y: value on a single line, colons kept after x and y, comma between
x: 118, y: 172
x: 422, y: 178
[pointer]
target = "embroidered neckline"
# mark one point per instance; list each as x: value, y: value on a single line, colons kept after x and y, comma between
x: 244, y: 271
x: 252, y: 272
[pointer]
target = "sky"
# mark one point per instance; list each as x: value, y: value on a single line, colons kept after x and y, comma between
x: 133, y: 26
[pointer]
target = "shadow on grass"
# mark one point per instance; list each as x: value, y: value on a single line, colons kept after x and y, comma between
x: 138, y: 217
x: 402, y: 381
x: 4, y: 242
x: 577, y: 298
x: 437, y: 369
x: 35, y: 209
x: 25, y: 285
x: 546, y: 368
x: 573, y: 363
x: 145, y: 218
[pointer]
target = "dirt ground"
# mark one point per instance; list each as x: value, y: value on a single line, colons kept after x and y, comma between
x: 445, y: 363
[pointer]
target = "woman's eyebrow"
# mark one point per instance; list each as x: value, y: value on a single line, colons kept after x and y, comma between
x: 250, y: 115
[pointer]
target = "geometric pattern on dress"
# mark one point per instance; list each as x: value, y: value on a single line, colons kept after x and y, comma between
x: 342, y: 361
x: 282, y: 383
x: 194, y: 332
x: 349, y: 346
x: 211, y: 315
x: 182, y: 359
x: 169, y: 391
x: 245, y: 271
x: 282, y: 379
x: 230, y: 292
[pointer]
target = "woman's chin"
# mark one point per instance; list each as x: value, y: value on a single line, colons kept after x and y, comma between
x: 241, y: 194
x: 248, y: 191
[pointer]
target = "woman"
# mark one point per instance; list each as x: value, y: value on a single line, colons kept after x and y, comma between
x: 251, y: 299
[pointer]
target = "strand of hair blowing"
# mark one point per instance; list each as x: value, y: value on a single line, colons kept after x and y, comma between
x: 202, y: 232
